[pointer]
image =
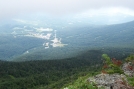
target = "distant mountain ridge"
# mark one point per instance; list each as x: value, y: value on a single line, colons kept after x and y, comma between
x: 78, y: 38
x: 113, y: 33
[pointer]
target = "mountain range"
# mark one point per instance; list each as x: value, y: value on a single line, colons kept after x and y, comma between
x: 30, y: 42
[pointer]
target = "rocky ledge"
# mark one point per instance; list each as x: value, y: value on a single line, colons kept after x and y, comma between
x: 113, y: 81
x: 110, y: 81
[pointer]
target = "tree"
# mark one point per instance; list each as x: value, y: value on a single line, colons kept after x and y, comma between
x: 111, y: 66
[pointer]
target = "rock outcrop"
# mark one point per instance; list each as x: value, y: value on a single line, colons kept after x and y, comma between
x: 128, y: 69
x: 110, y: 81
x: 114, y: 81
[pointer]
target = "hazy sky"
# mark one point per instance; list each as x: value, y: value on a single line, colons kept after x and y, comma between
x: 13, y: 8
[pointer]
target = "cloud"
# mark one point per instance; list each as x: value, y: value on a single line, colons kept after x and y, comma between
x: 13, y: 8
x: 112, y: 11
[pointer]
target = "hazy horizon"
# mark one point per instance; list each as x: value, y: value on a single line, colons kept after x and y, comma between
x: 93, y: 11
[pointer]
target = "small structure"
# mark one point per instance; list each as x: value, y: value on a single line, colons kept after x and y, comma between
x: 57, y: 42
x: 47, y: 45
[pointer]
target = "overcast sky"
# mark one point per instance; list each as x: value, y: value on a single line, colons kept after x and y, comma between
x: 13, y: 8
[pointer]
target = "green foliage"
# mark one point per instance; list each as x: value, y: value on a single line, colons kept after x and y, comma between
x: 111, y: 66
x: 48, y: 74
x: 130, y: 58
x: 82, y: 83
x: 115, y: 67
x: 106, y: 58
x: 110, y: 71
x: 131, y: 81
x: 53, y: 74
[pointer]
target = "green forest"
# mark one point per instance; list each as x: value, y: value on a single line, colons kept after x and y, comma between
x: 51, y: 74
x: 66, y: 44
x: 54, y: 74
x: 56, y: 68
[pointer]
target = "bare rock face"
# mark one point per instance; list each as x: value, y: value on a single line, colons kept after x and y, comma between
x: 110, y: 81
x: 115, y: 81
x: 128, y: 69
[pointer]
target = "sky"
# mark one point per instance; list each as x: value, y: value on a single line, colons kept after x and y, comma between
x: 13, y: 8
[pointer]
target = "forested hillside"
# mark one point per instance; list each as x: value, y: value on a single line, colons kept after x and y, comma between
x: 115, y: 74
x: 11, y: 47
x: 100, y: 36
x: 54, y: 74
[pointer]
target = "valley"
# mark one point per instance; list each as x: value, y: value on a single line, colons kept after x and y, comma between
x: 66, y: 44
x: 23, y: 41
